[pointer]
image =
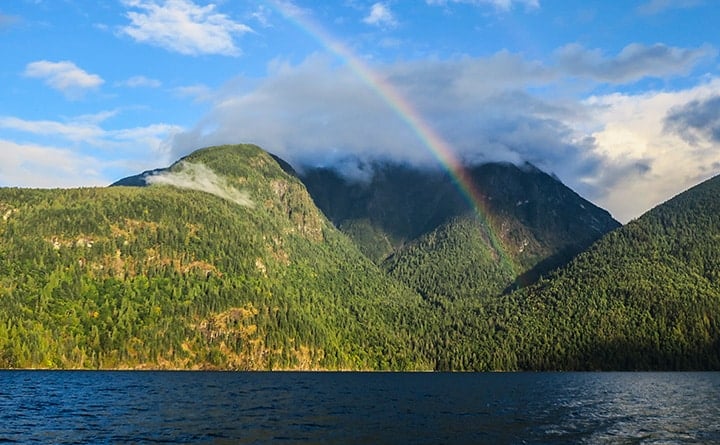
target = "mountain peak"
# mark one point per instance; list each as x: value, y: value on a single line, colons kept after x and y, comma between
x: 535, y: 218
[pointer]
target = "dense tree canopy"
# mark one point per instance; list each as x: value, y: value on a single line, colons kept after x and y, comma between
x: 226, y: 263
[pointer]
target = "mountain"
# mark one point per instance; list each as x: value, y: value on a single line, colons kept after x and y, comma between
x: 646, y: 296
x: 223, y: 262
x: 425, y: 232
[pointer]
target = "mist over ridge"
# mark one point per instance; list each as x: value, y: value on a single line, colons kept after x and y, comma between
x: 197, y: 176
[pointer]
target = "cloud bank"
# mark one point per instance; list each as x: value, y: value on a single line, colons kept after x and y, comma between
x: 195, y: 176
x: 503, y: 107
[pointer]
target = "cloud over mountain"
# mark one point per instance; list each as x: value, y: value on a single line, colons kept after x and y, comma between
x: 199, y: 177
x: 502, y: 107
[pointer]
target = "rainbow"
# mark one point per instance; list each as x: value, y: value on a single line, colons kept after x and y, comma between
x: 440, y: 148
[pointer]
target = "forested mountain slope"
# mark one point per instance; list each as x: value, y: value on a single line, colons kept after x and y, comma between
x: 647, y: 296
x: 425, y: 232
x: 224, y: 262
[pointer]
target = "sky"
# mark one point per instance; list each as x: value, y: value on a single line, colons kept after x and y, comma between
x: 620, y: 99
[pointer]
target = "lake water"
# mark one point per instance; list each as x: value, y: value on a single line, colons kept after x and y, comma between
x: 346, y: 408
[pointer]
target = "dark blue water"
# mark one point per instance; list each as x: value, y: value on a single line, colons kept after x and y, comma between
x: 345, y: 408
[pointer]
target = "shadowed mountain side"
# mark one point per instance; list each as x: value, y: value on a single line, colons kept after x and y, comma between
x: 138, y: 180
x: 646, y: 296
x: 528, y: 224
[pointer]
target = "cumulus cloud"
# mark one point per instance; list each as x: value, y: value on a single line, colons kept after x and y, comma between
x: 504, y: 5
x: 64, y: 76
x: 318, y: 113
x: 182, y: 26
x: 314, y: 110
x: 196, y: 176
x: 498, y: 108
x: 380, y: 15
x: 634, y: 62
x: 644, y: 162
x: 140, y: 82
x: 658, y: 6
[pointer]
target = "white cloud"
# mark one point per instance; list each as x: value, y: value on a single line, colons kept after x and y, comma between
x: 634, y: 62
x: 319, y: 113
x: 33, y: 165
x: 633, y: 132
x: 81, y: 144
x: 380, y: 15
x: 140, y: 82
x: 199, y: 177
x: 486, y: 109
x: 87, y: 130
x: 504, y: 5
x: 64, y: 76
x: 184, y: 27
x: 76, y: 131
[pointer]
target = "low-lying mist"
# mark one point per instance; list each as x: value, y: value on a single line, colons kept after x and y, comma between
x: 197, y: 176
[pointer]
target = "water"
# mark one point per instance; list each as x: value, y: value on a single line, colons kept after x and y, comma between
x: 346, y: 408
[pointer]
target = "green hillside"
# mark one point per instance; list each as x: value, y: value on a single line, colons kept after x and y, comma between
x: 246, y: 276
x: 224, y: 262
x: 647, y: 296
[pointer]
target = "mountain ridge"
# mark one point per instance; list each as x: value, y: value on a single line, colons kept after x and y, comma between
x: 226, y: 262
x: 524, y: 215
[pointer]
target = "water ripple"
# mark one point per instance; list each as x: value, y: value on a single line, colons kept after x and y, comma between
x: 249, y: 408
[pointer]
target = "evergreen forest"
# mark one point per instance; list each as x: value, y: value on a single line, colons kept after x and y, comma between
x: 229, y: 259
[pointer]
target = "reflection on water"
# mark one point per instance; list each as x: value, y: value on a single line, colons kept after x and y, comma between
x: 184, y: 407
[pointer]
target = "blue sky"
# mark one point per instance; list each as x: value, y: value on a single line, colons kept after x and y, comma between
x: 619, y: 98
